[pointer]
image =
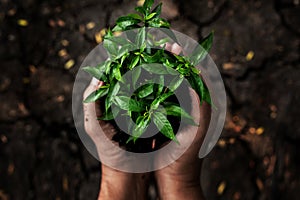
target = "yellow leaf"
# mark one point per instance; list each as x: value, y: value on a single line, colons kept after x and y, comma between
x: 249, y: 55
x: 140, y: 2
x: 98, y: 37
x: 221, y: 188
x: 222, y: 143
x: 259, y: 131
x: 62, y: 53
x: 65, y: 43
x: 69, y: 64
x: 103, y: 31
x: 22, y: 22
x: 90, y: 25
x: 117, y: 33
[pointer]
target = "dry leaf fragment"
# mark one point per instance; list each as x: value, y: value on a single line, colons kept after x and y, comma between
x: 69, y: 64
x: 32, y: 69
x: 23, y: 22
x: 98, y: 37
x: 222, y: 143
x: 249, y: 55
x: 259, y: 131
x: 259, y: 184
x: 65, y: 43
x: 10, y: 168
x: 103, y: 32
x: 140, y: 2
x: 12, y: 12
x: 221, y: 188
x: 62, y: 53
x: 3, y: 138
x: 65, y: 183
x: 61, y: 23
x: 90, y: 25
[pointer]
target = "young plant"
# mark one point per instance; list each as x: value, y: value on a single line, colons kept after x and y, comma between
x: 141, y: 53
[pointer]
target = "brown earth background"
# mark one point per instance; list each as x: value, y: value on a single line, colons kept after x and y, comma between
x: 256, y: 48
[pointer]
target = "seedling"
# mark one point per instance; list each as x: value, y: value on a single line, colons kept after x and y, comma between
x: 142, y: 53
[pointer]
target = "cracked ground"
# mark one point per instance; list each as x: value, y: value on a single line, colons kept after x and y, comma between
x: 256, y: 48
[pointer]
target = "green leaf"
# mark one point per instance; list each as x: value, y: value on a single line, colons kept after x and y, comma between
x: 177, y: 111
x: 202, y: 50
x: 140, y: 37
x: 136, y: 106
x: 142, y: 124
x: 108, y: 115
x: 155, y: 68
x: 175, y: 83
x: 135, y: 16
x: 117, y: 73
x: 152, y: 58
x: 97, y: 71
x: 134, y: 62
x: 117, y: 28
x: 111, y: 47
x: 145, y: 90
x: 135, y: 76
x: 180, y: 58
x: 150, y: 16
x: 129, y: 104
x: 161, y: 42
x: 94, y: 96
x: 147, y: 5
x: 198, y: 85
x: 108, y: 66
x: 160, y: 99
x: 206, y: 96
x: 159, y: 86
x: 122, y: 51
x: 157, y: 10
x: 195, y: 70
x: 119, y: 40
x: 113, y: 90
x: 158, y: 23
x: 122, y: 102
x: 140, y: 9
x: 163, y: 124
x: 126, y: 21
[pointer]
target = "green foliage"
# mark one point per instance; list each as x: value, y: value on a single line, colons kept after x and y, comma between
x: 151, y: 101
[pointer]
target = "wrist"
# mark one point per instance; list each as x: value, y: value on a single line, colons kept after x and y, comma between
x: 177, y: 183
x: 117, y: 185
x: 171, y: 189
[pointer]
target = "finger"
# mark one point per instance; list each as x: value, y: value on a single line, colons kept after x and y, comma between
x: 168, y: 46
x: 94, y: 85
x: 92, y: 110
x: 176, y: 49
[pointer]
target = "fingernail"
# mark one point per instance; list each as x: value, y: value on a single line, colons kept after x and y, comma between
x: 95, y: 82
x: 176, y: 49
x: 168, y: 47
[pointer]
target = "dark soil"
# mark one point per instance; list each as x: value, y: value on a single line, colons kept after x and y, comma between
x: 256, y: 48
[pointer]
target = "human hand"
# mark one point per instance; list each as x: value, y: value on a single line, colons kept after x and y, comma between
x: 181, y: 179
x: 115, y: 185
